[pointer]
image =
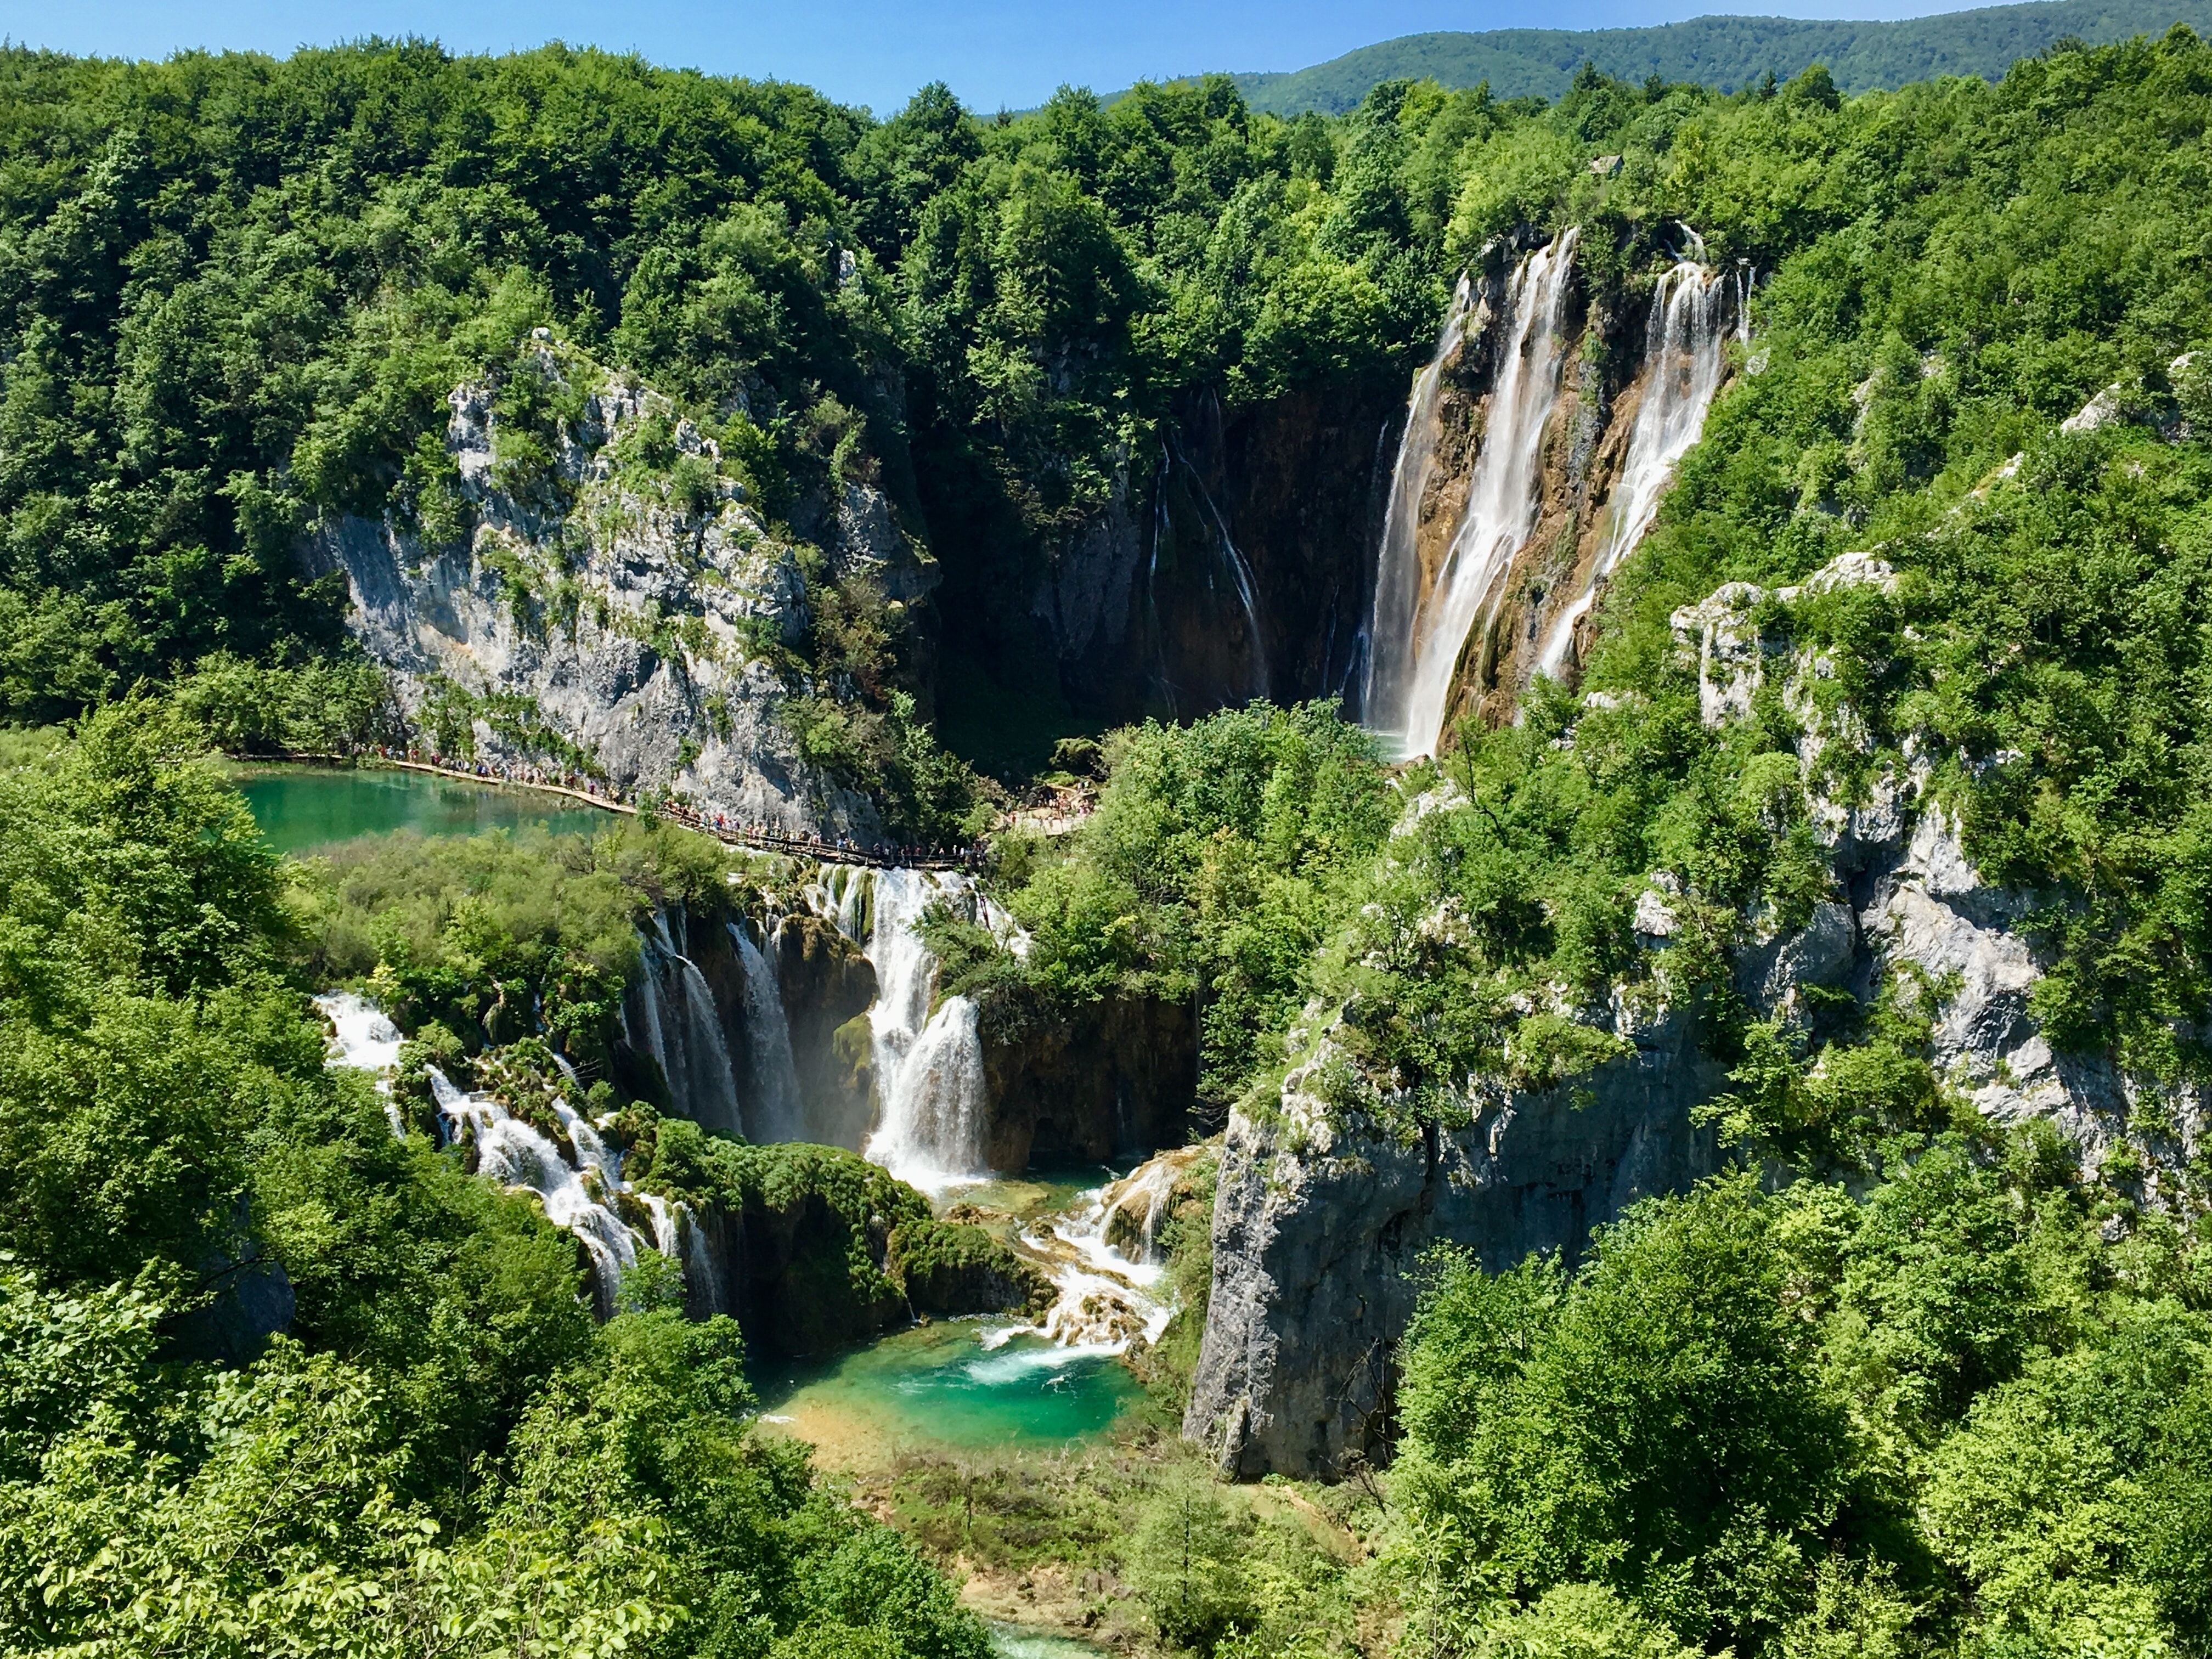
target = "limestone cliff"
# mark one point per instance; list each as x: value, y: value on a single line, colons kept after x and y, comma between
x: 1320, y: 1216
x: 625, y: 611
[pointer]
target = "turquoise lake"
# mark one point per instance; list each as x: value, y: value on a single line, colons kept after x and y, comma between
x: 302, y: 808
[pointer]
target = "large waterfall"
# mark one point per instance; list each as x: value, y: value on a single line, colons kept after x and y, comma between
x: 1398, y: 574
x: 1682, y: 368
x: 1414, y: 667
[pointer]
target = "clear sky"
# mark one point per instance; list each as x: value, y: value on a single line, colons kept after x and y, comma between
x: 994, y: 54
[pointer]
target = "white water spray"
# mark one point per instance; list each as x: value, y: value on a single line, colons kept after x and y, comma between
x: 1683, y: 366
x: 1415, y: 694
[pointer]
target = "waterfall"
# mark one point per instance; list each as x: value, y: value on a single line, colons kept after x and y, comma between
x: 365, y: 1041
x: 1682, y: 368
x: 670, y: 1014
x: 1108, y: 1294
x: 777, y: 1113
x: 931, y: 1135
x: 930, y: 1093
x: 516, y: 1155
x: 1413, y: 696
x: 1398, y: 565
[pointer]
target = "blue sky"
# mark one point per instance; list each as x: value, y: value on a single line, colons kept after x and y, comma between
x: 994, y: 54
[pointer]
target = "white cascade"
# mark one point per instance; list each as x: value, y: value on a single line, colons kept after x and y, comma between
x: 365, y: 1041
x: 1501, y: 501
x: 930, y: 1132
x: 1398, y: 564
x: 519, y: 1157
x: 778, y: 1113
x: 1108, y: 1294
x: 931, y: 1094
x: 1683, y: 363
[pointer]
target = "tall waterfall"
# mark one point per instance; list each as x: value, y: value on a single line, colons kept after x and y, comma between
x: 1414, y: 668
x: 929, y: 1089
x: 777, y: 1112
x: 1682, y: 368
x: 1398, y: 565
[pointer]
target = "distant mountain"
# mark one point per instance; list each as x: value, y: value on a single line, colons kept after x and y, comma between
x: 1726, y: 52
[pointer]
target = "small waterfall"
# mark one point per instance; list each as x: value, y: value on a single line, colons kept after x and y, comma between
x: 777, y: 1112
x: 1500, y: 510
x: 1398, y: 565
x: 1682, y: 368
x: 1240, y: 572
x: 575, y: 1198
x: 1103, y: 1259
x: 930, y: 1134
x: 365, y: 1041
x: 670, y: 1014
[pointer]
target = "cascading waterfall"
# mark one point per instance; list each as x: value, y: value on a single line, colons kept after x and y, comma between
x: 1683, y: 366
x: 1110, y: 1286
x: 516, y: 1155
x: 365, y: 1041
x: 930, y: 1088
x: 778, y: 1113
x: 931, y: 1131
x: 1501, y: 504
x: 1398, y: 566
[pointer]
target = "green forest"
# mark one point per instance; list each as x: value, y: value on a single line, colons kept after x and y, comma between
x: 1900, y: 1380
x: 1721, y: 52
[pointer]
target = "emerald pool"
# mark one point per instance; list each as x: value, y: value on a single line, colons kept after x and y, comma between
x: 303, y: 808
x: 938, y: 1387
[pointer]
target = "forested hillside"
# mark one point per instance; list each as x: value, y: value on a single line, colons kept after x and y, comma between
x: 1909, y: 1353
x: 1723, y: 52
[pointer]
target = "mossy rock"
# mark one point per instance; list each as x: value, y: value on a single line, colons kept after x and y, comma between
x: 952, y: 1268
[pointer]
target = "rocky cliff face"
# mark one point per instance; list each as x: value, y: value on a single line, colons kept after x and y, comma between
x: 1317, y: 1226
x: 1238, y: 568
x: 1318, y: 1219
x: 1117, y: 1079
x: 626, y: 611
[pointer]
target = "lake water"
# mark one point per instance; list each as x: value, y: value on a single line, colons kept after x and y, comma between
x: 938, y: 1387
x: 302, y: 808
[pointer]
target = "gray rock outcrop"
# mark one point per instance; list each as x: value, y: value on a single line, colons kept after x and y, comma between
x: 1319, y: 1216
x: 633, y: 620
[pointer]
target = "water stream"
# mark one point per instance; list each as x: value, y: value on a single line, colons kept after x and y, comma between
x: 1683, y: 363
x: 777, y: 1113
x: 1398, y: 576
x: 669, y: 1014
x: 1414, y: 669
